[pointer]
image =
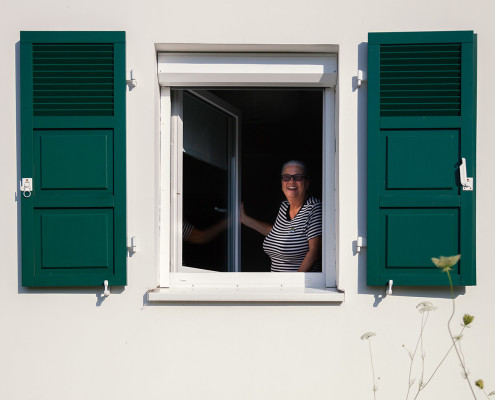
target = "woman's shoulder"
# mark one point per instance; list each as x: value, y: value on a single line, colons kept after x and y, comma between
x: 313, y: 201
x: 313, y: 206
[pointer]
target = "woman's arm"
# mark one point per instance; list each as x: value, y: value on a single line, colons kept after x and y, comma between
x: 204, y: 236
x: 259, y: 226
x: 313, y: 254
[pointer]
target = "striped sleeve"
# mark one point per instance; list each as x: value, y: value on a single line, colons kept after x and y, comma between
x: 187, y: 228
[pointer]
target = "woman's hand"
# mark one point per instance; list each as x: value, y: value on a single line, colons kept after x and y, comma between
x: 313, y: 254
x: 259, y: 226
x: 243, y: 214
x: 198, y: 236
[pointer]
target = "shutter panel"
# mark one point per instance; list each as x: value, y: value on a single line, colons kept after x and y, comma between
x: 421, y: 123
x: 73, y: 146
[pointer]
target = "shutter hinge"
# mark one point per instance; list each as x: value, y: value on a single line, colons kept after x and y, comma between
x: 132, y: 245
x: 360, y: 243
x: 132, y: 83
x: 362, y: 77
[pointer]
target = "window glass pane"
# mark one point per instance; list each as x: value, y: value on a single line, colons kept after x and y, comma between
x: 205, y: 183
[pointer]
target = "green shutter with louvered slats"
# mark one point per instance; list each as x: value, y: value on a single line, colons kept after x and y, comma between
x: 421, y: 126
x: 73, y: 221
x: 76, y: 79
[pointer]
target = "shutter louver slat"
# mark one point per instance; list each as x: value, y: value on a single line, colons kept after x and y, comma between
x: 420, y: 80
x: 73, y: 79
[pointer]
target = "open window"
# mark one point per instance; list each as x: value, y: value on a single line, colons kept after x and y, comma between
x: 207, y: 188
x: 225, y: 134
x: 231, y: 144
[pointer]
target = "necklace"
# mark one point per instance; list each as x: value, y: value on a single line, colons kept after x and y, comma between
x: 291, y: 220
x: 291, y: 228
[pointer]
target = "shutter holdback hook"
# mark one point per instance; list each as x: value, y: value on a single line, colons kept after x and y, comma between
x: 106, y: 289
x: 390, y: 284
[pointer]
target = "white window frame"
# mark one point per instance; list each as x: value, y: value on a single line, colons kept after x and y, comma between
x: 176, y: 170
x: 203, y: 70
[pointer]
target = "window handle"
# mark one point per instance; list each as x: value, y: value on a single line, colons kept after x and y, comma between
x: 467, y: 183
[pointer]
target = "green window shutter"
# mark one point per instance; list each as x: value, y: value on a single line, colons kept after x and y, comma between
x: 421, y: 123
x: 73, y: 147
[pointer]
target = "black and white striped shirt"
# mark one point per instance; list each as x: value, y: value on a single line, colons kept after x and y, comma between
x: 287, y: 243
x: 187, y: 229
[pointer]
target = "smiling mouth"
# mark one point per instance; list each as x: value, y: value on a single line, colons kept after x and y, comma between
x: 292, y: 187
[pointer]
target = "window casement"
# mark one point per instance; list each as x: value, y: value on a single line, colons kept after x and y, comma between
x: 421, y: 149
x: 73, y: 211
x: 210, y: 80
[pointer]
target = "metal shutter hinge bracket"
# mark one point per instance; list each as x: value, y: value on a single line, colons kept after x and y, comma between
x: 132, y: 246
x: 132, y: 83
x: 362, y: 77
x: 360, y: 243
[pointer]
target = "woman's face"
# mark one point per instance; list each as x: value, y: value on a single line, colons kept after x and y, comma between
x: 292, y: 189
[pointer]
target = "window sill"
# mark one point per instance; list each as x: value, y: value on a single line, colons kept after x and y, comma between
x: 250, y: 294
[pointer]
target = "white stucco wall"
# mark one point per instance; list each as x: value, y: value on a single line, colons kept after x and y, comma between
x: 68, y: 344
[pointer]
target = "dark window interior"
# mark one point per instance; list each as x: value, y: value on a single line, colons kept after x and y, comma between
x: 277, y: 125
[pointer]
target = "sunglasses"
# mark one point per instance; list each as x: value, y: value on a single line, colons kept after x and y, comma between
x: 296, y: 177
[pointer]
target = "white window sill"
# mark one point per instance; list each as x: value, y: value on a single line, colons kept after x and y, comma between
x: 247, y: 294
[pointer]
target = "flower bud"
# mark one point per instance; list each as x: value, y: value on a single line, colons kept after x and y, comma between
x: 467, y: 319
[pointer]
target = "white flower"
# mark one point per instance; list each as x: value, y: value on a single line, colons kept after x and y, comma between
x: 446, y: 263
x: 425, y: 306
x: 367, y: 335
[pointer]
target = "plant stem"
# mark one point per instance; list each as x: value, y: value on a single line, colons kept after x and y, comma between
x: 441, y: 362
x: 422, y: 350
x: 372, y: 370
x: 420, y: 340
x: 463, y: 365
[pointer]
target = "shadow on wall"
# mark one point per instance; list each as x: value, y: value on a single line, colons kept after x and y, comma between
x: 379, y: 292
x: 20, y: 289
